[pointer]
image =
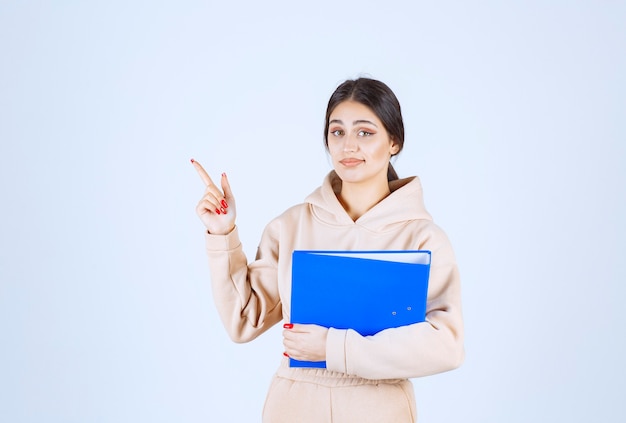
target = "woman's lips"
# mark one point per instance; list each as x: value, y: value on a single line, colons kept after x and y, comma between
x: 351, y: 162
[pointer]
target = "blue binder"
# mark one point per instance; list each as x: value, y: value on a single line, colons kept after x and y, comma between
x: 367, y: 291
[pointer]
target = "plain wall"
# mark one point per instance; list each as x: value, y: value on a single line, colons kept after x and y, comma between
x: 515, y: 121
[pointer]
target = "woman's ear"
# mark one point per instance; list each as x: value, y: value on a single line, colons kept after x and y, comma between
x: 394, y: 148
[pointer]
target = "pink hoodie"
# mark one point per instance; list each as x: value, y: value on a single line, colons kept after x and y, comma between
x: 252, y: 297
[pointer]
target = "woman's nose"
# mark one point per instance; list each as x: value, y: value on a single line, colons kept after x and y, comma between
x: 350, y: 145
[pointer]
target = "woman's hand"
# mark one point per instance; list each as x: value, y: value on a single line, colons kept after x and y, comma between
x: 216, y: 209
x: 305, y: 342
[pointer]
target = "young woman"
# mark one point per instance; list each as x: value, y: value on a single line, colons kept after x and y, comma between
x: 361, y: 205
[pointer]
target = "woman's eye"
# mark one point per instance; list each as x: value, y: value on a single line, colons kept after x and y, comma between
x: 364, y: 134
x: 337, y: 132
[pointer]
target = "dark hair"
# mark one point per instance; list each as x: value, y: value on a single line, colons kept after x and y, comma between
x: 380, y: 99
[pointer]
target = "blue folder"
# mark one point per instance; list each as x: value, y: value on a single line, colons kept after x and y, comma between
x: 367, y: 291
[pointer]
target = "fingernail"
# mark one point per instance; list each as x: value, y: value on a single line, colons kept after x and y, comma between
x: 217, y: 211
x: 224, y: 204
x: 288, y: 325
x: 224, y: 174
x: 192, y: 160
x: 285, y: 354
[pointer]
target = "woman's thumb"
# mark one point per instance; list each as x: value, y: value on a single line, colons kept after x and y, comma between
x: 228, y: 194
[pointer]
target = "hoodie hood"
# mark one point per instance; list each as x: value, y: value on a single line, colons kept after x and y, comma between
x: 404, y: 203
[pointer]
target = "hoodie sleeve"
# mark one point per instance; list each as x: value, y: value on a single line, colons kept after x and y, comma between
x: 246, y: 295
x: 421, y: 349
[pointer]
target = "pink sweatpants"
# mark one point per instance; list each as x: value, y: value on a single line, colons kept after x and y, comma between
x: 320, y: 396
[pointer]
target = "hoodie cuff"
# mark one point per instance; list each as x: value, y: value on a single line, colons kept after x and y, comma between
x: 336, y: 350
x: 226, y: 242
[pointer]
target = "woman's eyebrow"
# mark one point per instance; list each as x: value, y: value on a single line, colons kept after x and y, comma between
x: 356, y: 122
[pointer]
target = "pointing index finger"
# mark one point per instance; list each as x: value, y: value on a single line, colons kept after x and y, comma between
x: 203, y: 174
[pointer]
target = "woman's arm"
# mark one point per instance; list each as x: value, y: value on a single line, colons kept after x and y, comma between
x: 421, y: 349
x: 246, y: 295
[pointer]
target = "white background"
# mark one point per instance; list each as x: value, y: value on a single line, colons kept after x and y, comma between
x: 516, y: 124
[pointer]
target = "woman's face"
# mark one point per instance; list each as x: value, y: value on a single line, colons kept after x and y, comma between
x: 359, y: 144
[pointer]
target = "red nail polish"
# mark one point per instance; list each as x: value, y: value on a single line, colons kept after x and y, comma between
x: 224, y: 174
x: 224, y: 204
x: 192, y: 160
x: 223, y: 210
x: 217, y: 211
x: 288, y: 325
x: 285, y: 354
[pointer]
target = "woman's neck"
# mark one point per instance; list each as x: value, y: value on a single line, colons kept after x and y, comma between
x: 357, y: 199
